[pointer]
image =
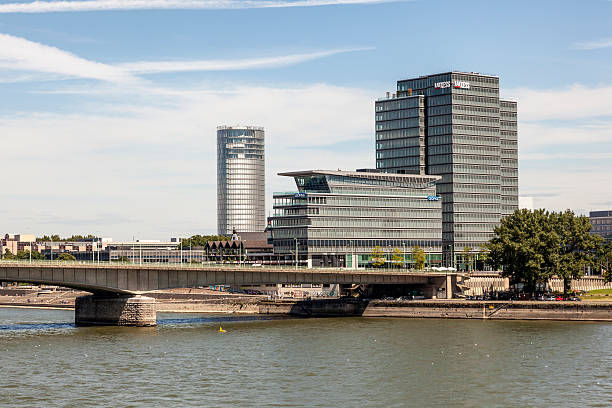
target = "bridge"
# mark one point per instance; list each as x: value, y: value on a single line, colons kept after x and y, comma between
x: 118, y: 289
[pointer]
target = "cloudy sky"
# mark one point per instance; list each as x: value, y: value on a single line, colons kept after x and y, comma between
x: 109, y: 107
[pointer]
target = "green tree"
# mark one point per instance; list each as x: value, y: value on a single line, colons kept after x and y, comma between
x: 525, y: 246
x: 419, y: 257
x: 397, y: 258
x: 25, y: 255
x: 201, y: 240
x: 576, y: 247
x: 8, y: 255
x: 604, y: 261
x: 377, y: 257
x: 467, y: 256
x: 65, y: 256
x: 122, y: 259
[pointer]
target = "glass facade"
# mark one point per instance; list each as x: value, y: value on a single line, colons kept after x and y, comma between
x: 336, y: 218
x: 240, y: 179
x: 468, y: 136
x: 601, y: 224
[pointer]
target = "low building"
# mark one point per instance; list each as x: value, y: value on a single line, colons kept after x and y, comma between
x: 338, y: 218
x: 601, y: 222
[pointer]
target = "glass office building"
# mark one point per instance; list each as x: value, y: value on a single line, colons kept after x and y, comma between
x: 454, y: 125
x: 241, y: 179
x: 336, y: 218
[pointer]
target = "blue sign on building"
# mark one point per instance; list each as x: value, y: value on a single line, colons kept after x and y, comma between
x: 433, y: 198
x: 299, y: 195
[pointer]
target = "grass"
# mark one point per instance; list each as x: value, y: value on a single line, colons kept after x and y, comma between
x: 598, y: 294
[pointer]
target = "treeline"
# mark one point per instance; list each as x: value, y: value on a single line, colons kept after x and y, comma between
x: 201, y: 240
x: 35, y: 255
x: 57, y: 238
x: 533, y: 246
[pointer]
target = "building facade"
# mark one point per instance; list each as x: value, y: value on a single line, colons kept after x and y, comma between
x: 601, y: 222
x: 337, y: 218
x: 241, y: 179
x: 454, y: 125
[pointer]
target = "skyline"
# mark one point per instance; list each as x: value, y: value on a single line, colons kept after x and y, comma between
x: 130, y: 100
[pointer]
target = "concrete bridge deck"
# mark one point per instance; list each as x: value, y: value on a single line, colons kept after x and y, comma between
x: 133, y: 279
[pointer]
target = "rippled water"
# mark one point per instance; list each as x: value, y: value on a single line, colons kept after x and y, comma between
x: 339, y: 362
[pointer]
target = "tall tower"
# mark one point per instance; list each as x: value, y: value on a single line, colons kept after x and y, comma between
x: 454, y: 125
x: 241, y: 179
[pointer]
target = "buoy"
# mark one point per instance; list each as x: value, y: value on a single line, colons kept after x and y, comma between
x: 221, y: 330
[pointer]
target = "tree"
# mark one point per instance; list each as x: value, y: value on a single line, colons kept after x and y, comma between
x: 575, y: 245
x: 397, y: 258
x: 525, y: 245
x: 25, y: 255
x: 377, y: 257
x: 604, y: 261
x: 201, y: 240
x: 65, y: 256
x: 419, y: 257
x: 467, y: 256
x: 122, y: 259
x: 8, y: 255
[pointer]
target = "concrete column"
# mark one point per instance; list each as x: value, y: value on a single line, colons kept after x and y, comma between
x: 449, y: 286
x: 96, y: 310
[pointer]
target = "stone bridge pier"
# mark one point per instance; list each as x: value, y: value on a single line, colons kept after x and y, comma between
x: 115, y: 310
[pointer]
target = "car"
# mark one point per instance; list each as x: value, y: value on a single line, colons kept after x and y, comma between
x: 403, y: 298
x: 257, y: 265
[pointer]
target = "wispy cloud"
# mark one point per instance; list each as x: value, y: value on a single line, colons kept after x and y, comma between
x: 593, y: 45
x: 104, y: 5
x: 152, y: 67
x: 19, y: 54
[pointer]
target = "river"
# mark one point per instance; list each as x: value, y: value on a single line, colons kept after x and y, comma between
x: 282, y: 362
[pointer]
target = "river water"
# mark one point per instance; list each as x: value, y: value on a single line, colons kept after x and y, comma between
x: 279, y: 362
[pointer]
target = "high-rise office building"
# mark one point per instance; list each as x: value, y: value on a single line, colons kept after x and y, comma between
x: 454, y: 125
x: 241, y: 179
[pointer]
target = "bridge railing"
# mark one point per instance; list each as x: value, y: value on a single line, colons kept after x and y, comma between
x: 200, y: 265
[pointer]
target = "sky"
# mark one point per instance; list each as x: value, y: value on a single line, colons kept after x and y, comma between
x: 109, y: 108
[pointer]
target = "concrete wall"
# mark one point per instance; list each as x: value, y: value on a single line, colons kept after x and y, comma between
x: 458, y: 309
x: 115, y: 311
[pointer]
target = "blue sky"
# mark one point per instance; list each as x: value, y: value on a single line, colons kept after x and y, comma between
x: 109, y: 107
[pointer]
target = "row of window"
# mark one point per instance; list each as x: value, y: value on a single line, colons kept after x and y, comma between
x: 401, y: 162
x: 400, y: 133
x: 403, y: 152
x: 462, y: 129
x: 400, y: 114
x: 400, y: 124
x: 398, y: 143
x: 396, y: 104
x: 475, y: 100
x: 427, y: 245
x: 463, y: 139
x: 373, y: 212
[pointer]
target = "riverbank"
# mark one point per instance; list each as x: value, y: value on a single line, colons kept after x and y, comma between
x: 447, y: 309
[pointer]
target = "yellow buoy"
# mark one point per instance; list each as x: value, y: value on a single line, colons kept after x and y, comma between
x: 221, y: 330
